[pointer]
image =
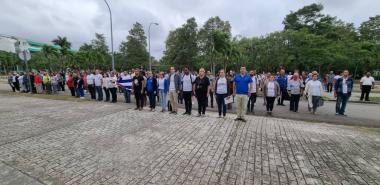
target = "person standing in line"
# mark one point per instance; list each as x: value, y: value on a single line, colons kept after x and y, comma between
x: 212, y: 85
x: 367, y: 83
x: 330, y: 81
x: 187, y: 90
x: 230, y: 89
x: 222, y: 91
x: 105, y: 85
x: 242, y: 90
x: 313, y: 91
x: 125, y: 82
x: 91, y: 85
x: 21, y: 81
x: 98, y: 82
x: 343, y: 89
x: 138, y: 88
x: 151, y: 90
x: 61, y: 82
x: 113, y: 87
x: 295, y: 89
x: 282, y: 80
x: 54, y: 83
x: 70, y: 84
x: 75, y: 79
x: 253, y: 96
x: 10, y: 82
x: 38, y: 83
x: 80, y: 87
x: 174, y: 88
x: 201, y: 90
x: 271, y: 91
x: 163, y: 88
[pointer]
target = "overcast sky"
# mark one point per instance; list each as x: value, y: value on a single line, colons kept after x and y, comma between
x: 78, y: 20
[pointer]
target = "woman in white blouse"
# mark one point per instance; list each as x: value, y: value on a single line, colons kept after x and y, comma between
x: 313, y: 91
x: 222, y: 91
x: 271, y: 92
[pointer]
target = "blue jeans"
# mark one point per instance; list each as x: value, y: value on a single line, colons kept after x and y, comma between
x: 152, y: 100
x: 341, y: 102
x: 99, y: 90
x: 221, y: 104
x: 127, y: 96
x: 163, y: 97
x: 80, y: 91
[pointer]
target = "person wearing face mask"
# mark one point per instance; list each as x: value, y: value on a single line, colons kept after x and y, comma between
x: 295, y: 88
x: 252, y: 98
x: 313, y: 91
x: 367, y: 83
x: 343, y: 89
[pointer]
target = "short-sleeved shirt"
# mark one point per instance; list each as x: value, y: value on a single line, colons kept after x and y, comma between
x: 367, y: 80
x: 201, y: 86
x: 187, y: 83
x: 98, y: 80
x: 137, y: 81
x: 241, y: 83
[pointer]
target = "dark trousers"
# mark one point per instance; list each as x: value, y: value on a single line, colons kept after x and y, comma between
x: 100, y: 93
x: 211, y: 99
x: 315, y: 101
x: 91, y: 90
x: 366, y: 89
x: 139, y: 99
x: 72, y: 90
x: 187, y: 98
x: 270, y: 102
x: 152, y: 100
x: 294, y: 101
x: 222, y: 107
x: 13, y: 87
x: 61, y: 86
x: 113, y: 94
x: 202, y: 103
x: 107, y: 93
x: 251, y: 102
x: 280, y: 100
x: 127, y: 95
x: 341, y: 102
x: 329, y: 87
x: 16, y: 86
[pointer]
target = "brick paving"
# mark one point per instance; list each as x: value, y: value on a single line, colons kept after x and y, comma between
x: 63, y: 142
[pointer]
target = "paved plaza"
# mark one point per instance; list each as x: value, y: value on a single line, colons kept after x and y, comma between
x: 64, y: 142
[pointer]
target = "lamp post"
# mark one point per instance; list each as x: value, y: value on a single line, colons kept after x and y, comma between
x: 150, y: 58
x: 113, y: 57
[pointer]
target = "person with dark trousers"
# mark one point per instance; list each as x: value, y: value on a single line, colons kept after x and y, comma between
x: 91, y: 85
x: 222, y: 91
x: 61, y: 82
x: 271, y: 91
x: 138, y: 88
x: 98, y: 81
x: 212, y: 80
x: 330, y: 81
x: 253, y: 96
x: 10, y: 82
x: 367, y: 83
x: 151, y: 90
x: 113, y: 87
x: 343, y: 88
x: 295, y: 90
x: 80, y: 87
x: 282, y: 80
x: 201, y: 90
x: 70, y: 84
x: 187, y: 90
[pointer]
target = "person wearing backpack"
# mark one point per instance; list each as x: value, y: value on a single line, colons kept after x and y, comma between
x: 187, y: 90
x: 295, y: 90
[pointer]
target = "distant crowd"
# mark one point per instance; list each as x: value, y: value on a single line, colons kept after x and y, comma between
x: 177, y: 87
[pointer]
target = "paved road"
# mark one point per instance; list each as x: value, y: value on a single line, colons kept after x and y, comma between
x: 62, y: 142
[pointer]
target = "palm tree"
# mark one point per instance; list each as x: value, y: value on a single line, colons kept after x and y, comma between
x: 65, y: 47
x: 48, y: 52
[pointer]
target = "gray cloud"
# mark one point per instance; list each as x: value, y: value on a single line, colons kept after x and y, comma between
x: 43, y: 20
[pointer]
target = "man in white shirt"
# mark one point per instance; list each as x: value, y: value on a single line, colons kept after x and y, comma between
x: 366, y: 84
x: 187, y: 90
x: 91, y: 85
x: 252, y: 98
x: 98, y: 81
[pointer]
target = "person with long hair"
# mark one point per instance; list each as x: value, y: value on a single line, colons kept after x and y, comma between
x: 201, y: 89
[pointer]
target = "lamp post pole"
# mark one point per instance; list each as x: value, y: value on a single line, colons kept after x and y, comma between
x: 150, y: 58
x: 113, y: 57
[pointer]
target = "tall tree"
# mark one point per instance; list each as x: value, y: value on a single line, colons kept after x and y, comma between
x: 370, y: 30
x: 134, y: 49
x: 64, y: 50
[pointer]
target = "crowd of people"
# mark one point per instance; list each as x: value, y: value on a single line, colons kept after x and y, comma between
x: 177, y: 87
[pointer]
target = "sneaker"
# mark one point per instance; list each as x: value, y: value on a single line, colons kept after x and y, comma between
x: 81, y: 98
x: 336, y: 114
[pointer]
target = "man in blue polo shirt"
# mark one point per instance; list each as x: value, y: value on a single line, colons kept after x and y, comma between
x: 242, y: 90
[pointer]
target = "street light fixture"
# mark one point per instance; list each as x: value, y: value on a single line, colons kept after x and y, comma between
x: 113, y: 57
x: 150, y: 58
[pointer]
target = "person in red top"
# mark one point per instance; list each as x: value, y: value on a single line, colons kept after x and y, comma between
x: 38, y: 83
x: 70, y: 85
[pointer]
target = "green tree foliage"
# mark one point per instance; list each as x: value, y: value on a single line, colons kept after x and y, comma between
x: 133, y: 51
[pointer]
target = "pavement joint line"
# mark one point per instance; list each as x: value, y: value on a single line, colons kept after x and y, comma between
x: 28, y: 175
